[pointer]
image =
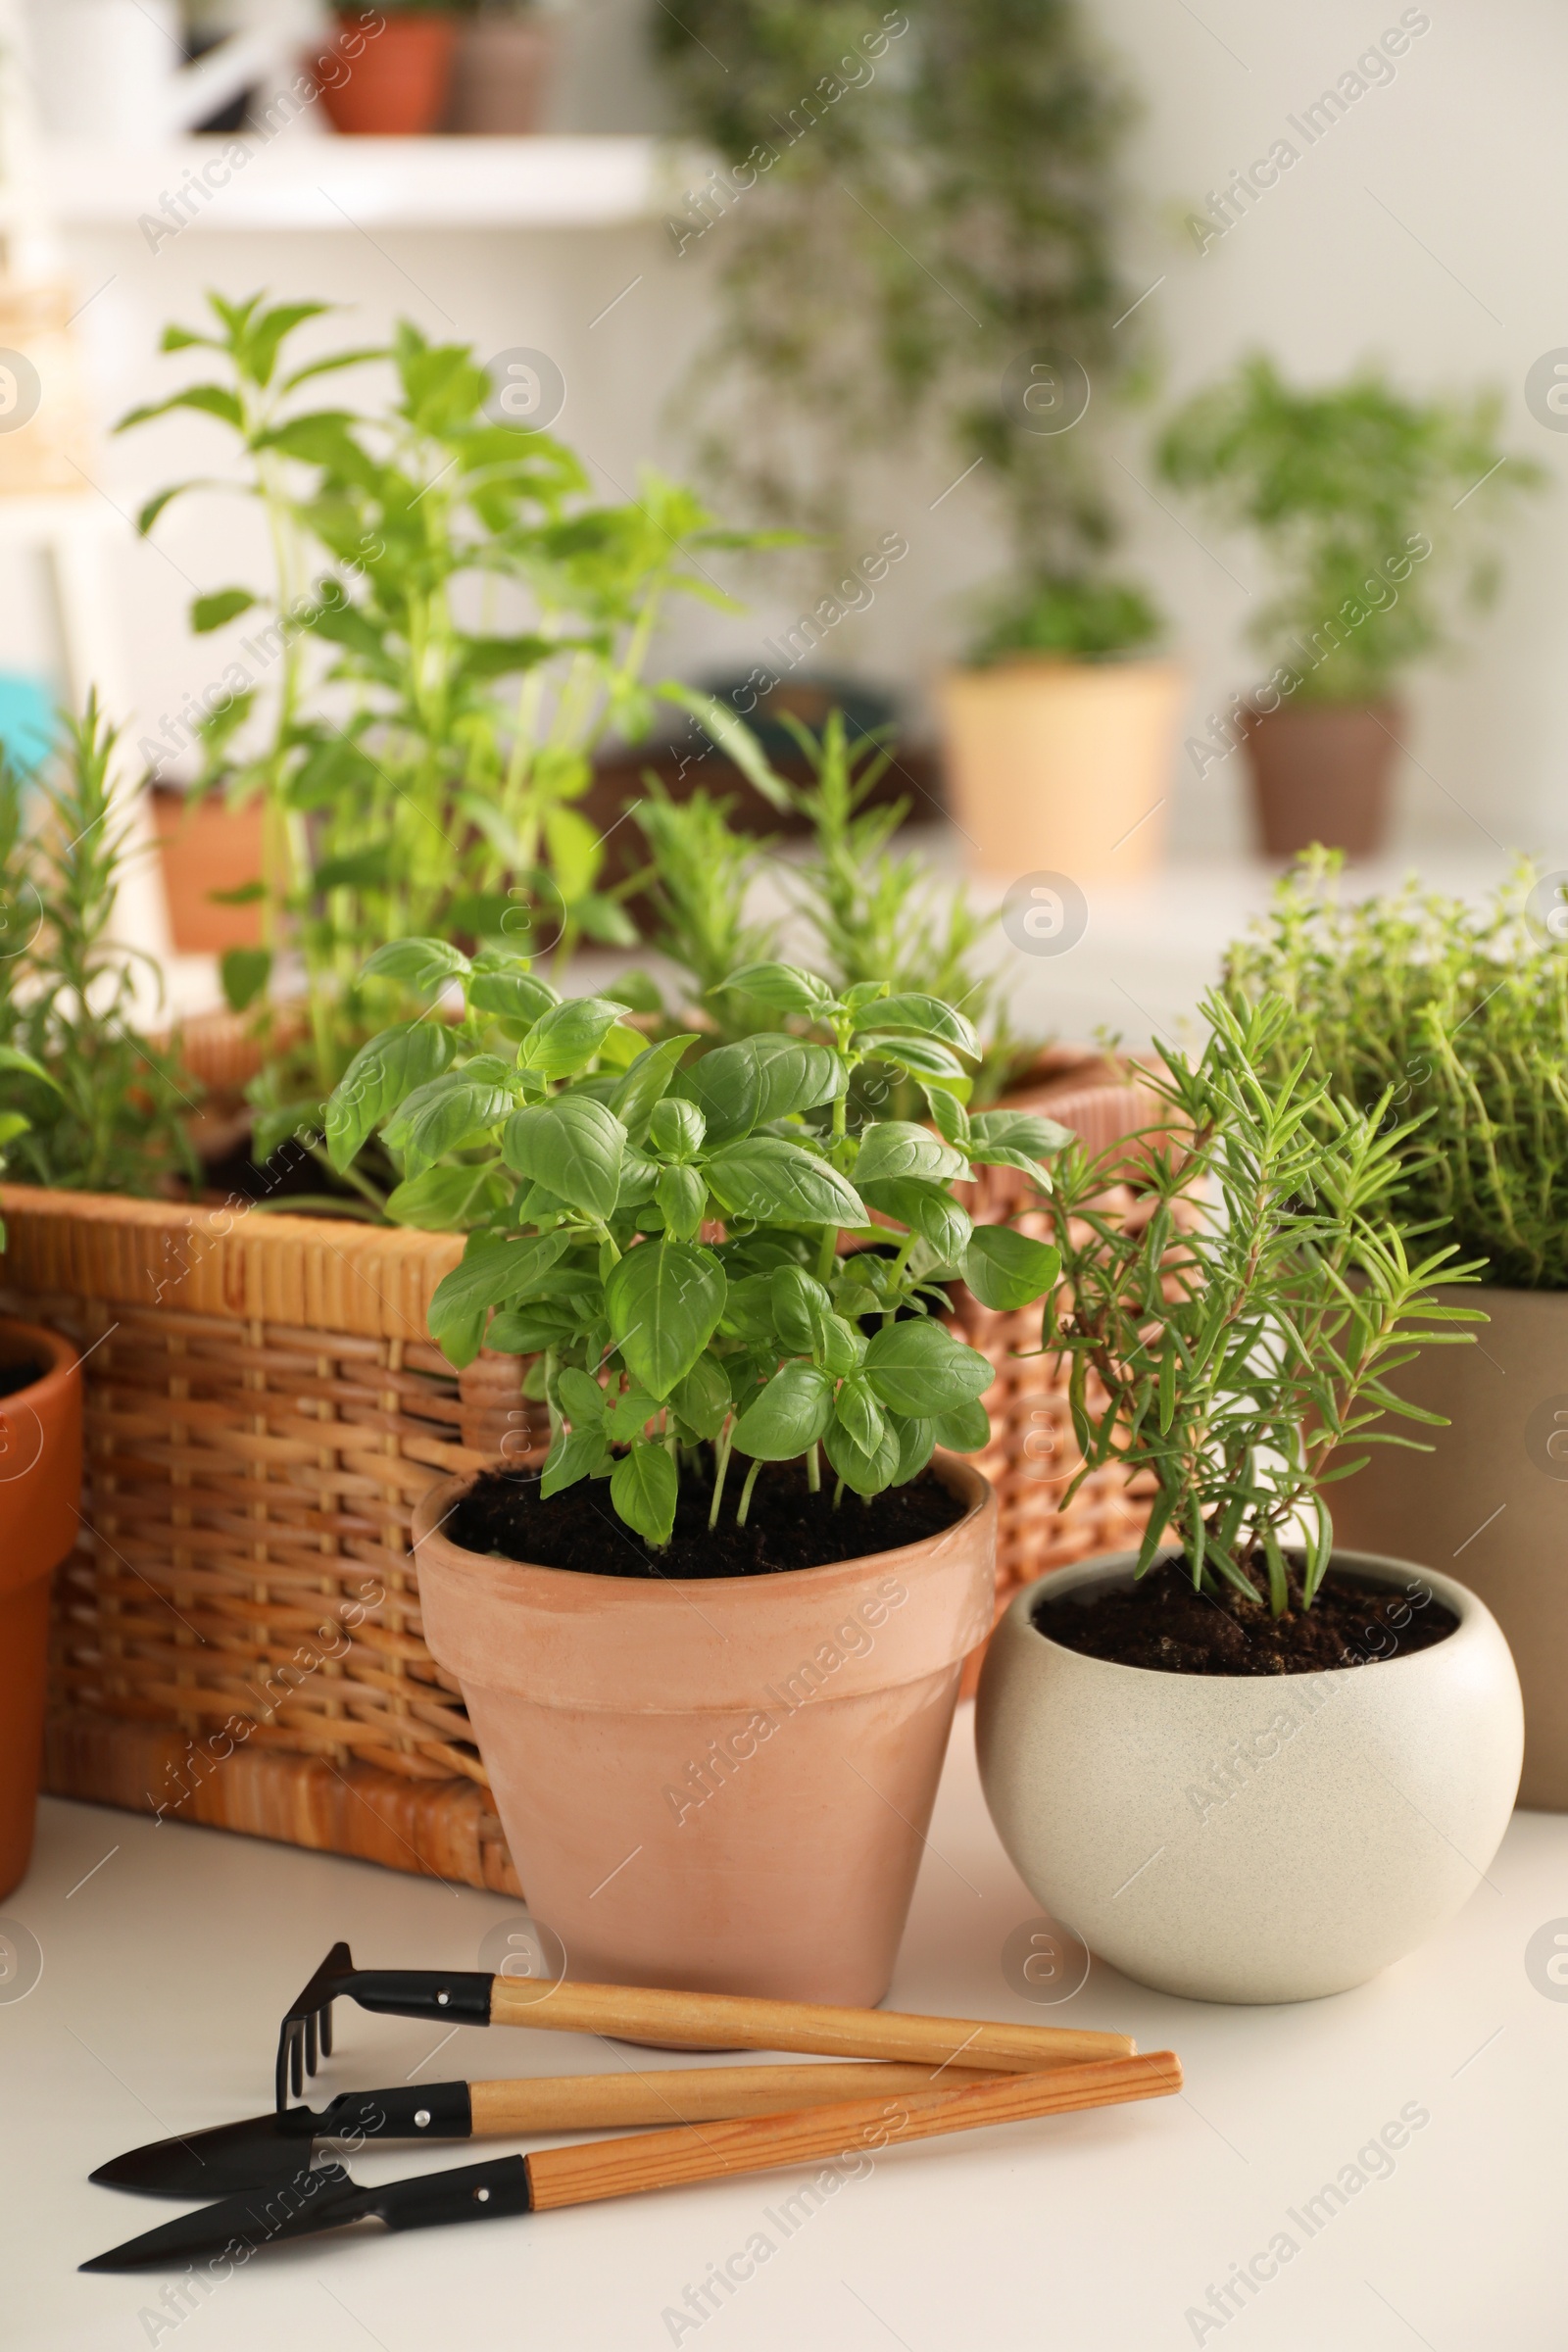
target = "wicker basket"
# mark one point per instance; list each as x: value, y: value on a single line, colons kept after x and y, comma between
x: 237, y: 1636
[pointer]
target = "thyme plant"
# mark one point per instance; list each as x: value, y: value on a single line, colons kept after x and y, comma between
x: 1456, y: 1016
x: 1246, y: 1332
x: 687, y: 1243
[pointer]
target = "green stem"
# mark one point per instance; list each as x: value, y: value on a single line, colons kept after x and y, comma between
x: 745, y: 1492
x: 814, y: 1470
x: 722, y: 1451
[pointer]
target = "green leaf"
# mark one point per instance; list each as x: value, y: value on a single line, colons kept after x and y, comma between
x: 12, y: 1058
x: 514, y: 995
x: 577, y: 1453
x: 899, y: 1147
x: 701, y: 1399
x: 859, y: 1412
x: 921, y: 1370
x: 734, y: 738
x: 379, y: 1078
x: 1016, y: 1138
x: 495, y: 1269
x: 581, y: 1397
x: 727, y: 1088
x: 209, y: 613
x: 948, y: 1116
x: 801, y: 1308
x: 629, y: 1414
x: 645, y: 1487
x: 450, y: 1111
x: 647, y: 1082
x: 638, y: 991
x: 531, y: 1328
x: 573, y: 1147
x: 244, y: 972
x: 441, y: 1198
x: 785, y: 986
x: 864, y: 1473
x: 576, y: 852
x: 565, y: 1040
x: 676, y: 1127
x: 917, y: 1444
x: 780, y: 1183
x: 420, y: 964
x: 793, y: 1075
x: 1006, y: 1270
x: 927, y: 1209
x: 208, y: 400
x: 922, y: 1055
x: 789, y: 1415
x: 682, y: 1196
x: 664, y: 1300
x: 929, y: 1015
x: 966, y: 1428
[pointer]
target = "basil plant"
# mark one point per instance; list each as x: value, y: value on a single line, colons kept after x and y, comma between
x: 684, y: 1238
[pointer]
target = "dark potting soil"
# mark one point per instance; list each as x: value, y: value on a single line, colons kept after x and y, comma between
x: 292, y: 1173
x: 19, y: 1375
x: 786, y: 1527
x: 1162, y: 1623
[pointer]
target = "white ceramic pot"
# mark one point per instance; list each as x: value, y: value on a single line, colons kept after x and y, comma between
x: 1240, y: 1837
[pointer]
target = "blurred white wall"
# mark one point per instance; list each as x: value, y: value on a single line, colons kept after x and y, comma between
x: 1426, y: 228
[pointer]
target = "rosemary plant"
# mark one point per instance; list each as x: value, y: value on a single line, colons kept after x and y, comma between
x: 1245, y: 1331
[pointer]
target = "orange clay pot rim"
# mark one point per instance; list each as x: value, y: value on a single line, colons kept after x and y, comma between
x: 952, y: 1468
x: 36, y: 1339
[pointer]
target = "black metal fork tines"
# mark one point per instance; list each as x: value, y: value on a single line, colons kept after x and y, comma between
x: 305, y: 2037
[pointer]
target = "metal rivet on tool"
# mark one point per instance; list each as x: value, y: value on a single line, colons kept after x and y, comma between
x: 423, y: 2118
x: 441, y: 1999
x: 483, y: 2195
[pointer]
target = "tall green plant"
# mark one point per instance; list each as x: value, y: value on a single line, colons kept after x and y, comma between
x: 1377, y: 514
x: 1454, y: 1013
x: 598, y: 1164
x: 1245, y: 1331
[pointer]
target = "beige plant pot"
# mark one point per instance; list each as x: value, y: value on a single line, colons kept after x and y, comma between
x: 721, y: 1786
x: 1063, y: 767
x: 1490, y: 1501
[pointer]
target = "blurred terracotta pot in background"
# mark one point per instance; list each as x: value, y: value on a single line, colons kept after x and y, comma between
x: 500, y: 75
x: 40, y: 1485
x: 203, y: 847
x: 393, y: 83
x: 1323, y: 772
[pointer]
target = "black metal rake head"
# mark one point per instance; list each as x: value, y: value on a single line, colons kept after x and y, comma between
x: 304, y: 2036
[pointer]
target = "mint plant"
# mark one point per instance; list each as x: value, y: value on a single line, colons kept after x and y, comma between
x: 686, y: 1241
x: 1245, y: 1330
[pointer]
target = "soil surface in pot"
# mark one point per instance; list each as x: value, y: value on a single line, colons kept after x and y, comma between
x: 1162, y: 1623
x: 291, y: 1174
x: 20, y: 1376
x: 786, y: 1526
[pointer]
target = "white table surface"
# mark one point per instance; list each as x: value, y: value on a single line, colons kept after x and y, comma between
x: 165, y: 1969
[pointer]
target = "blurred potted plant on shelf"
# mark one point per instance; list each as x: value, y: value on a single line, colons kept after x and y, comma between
x: 444, y: 795
x: 84, y: 1105
x: 1377, y: 514
x: 1458, y: 1013
x: 1210, y: 1841
x: 688, y: 1248
x: 990, y: 133
x: 387, y: 71
x: 501, y: 72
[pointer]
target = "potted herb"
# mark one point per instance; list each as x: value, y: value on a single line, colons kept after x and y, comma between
x: 387, y: 71
x: 711, y: 1650
x: 1060, y: 733
x: 1247, y: 1763
x: 1377, y: 514
x: 1458, y: 1012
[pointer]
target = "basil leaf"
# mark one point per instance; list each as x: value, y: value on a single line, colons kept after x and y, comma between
x: 529, y: 1329
x: 921, y: 1369
x: 927, y: 1014
x: 727, y: 1088
x: 784, y: 985
x: 683, y: 1198
x: 573, y: 1147
x: 423, y: 964
x: 701, y: 1399
x: 899, y: 1147
x: 441, y: 1198
x: 629, y: 1414
x: 577, y: 1453
x: 646, y: 1082
x: 749, y: 1308
x: 565, y: 1040
x: 512, y: 995
x: 457, y: 1108
x: 929, y: 1210
x: 917, y: 1443
x: 800, y: 1305
x: 793, y: 1075
x: 581, y: 1397
x: 676, y: 1127
x: 644, y: 1488
x: 773, y: 1181
x: 788, y: 1417
x: 1016, y: 1138
x: 664, y: 1300
x: 966, y: 1428
x: 864, y: 1473
x: 495, y: 1269
x: 382, y: 1072
x: 1006, y: 1270
x: 922, y: 1054
x: 858, y: 1411
x: 947, y: 1116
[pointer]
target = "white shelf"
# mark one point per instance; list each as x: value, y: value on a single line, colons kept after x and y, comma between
x: 303, y: 181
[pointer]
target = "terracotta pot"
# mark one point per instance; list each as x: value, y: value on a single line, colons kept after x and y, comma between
x: 398, y: 85
x: 1063, y: 767
x: 719, y: 1785
x: 40, y: 1484
x: 1323, y: 772
x: 500, y: 75
x: 1492, y: 1497
x: 201, y: 849
x: 1241, y: 1838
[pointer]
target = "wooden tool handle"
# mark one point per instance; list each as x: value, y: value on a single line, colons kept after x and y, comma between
x: 692, y: 2094
x: 719, y: 2021
x: 618, y: 2167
